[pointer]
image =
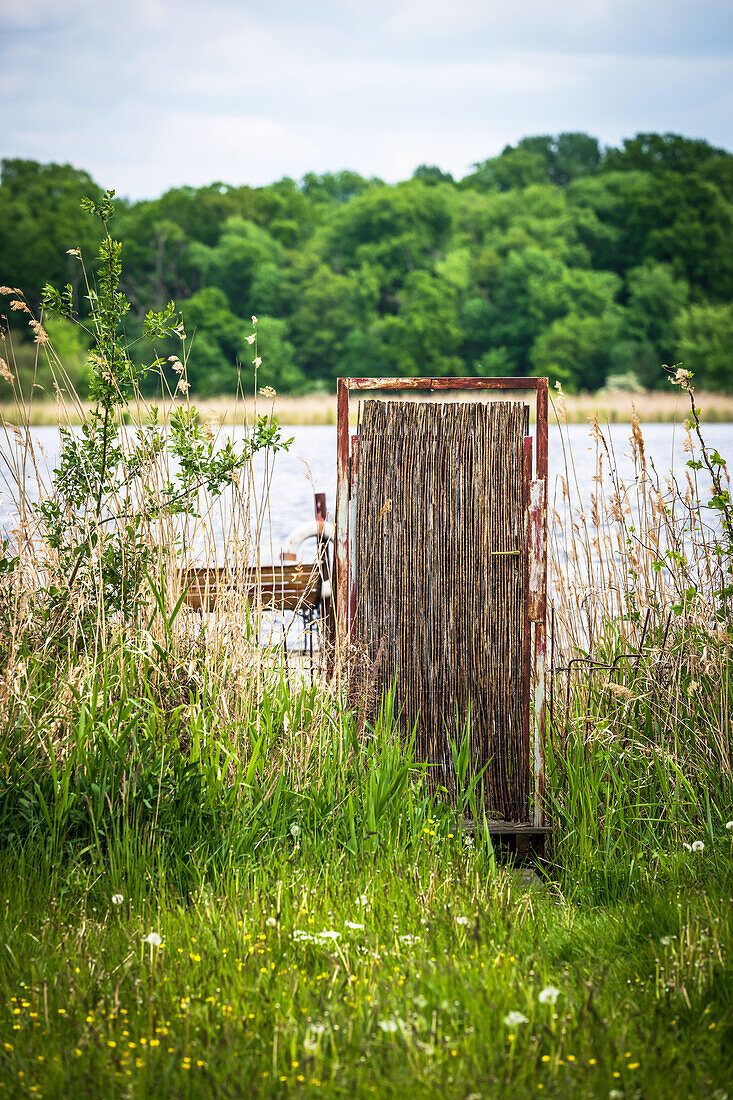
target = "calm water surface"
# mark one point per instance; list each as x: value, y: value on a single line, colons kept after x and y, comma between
x: 310, y: 466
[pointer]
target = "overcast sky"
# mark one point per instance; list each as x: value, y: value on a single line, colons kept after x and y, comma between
x: 150, y: 94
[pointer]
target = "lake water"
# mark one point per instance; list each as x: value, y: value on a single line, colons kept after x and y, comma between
x: 310, y: 466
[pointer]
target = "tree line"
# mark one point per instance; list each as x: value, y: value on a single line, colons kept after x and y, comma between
x: 591, y: 265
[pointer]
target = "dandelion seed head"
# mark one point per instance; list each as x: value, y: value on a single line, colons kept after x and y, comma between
x: 294, y: 829
x: 514, y: 1019
x: 729, y: 826
x: 697, y: 846
x: 117, y: 899
x: 153, y: 939
x: 271, y: 922
x: 548, y: 995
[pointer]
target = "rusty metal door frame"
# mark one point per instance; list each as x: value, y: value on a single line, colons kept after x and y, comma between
x: 535, y: 504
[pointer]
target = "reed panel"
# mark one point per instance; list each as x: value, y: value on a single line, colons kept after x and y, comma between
x: 440, y: 583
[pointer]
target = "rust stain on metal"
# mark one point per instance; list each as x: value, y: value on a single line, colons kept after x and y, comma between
x: 537, y: 524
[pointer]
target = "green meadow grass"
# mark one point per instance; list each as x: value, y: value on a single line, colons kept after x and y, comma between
x: 325, y: 927
x: 219, y: 881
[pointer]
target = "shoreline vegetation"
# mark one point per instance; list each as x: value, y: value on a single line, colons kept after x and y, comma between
x: 219, y: 877
x: 320, y: 409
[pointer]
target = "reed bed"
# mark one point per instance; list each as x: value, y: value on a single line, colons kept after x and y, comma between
x: 659, y: 407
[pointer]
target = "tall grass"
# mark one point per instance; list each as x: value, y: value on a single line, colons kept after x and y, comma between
x: 640, y: 748
x: 216, y: 878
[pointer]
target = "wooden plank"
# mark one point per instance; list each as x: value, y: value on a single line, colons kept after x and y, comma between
x: 443, y: 384
x: 285, y: 587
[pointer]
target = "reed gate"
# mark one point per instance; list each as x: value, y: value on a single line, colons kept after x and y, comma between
x: 441, y: 575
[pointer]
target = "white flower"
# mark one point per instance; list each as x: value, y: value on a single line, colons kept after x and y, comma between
x: 514, y: 1019
x: 548, y: 995
x: 390, y: 1026
x: 257, y: 362
x: 271, y: 922
x: 468, y: 841
x: 697, y: 845
x: 686, y: 846
x: 362, y: 900
x: 729, y: 826
x: 353, y: 926
x: 328, y: 935
x: 251, y: 339
x: 117, y: 899
x: 462, y: 920
x: 666, y: 940
x: 153, y: 939
x: 254, y: 319
x: 294, y: 829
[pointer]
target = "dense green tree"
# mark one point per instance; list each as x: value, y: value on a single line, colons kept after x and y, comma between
x: 396, y: 229
x: 515, y: 168
x: 40, y: 219
x: 659, y: 153
x: 704, y: 342
x: 217, y: 342
x: 654, y: 298
x: 329, y: 308
x: 423, y: 337
x: 244, y: 264
x: 278, y: 368
x: 336, y: 187
x: 553, y: 256
x: 567, y: 156
x: 430, y: 173
x: 575, y: 350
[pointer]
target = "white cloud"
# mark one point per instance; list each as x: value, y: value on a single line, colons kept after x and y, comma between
x: 148, y: 94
